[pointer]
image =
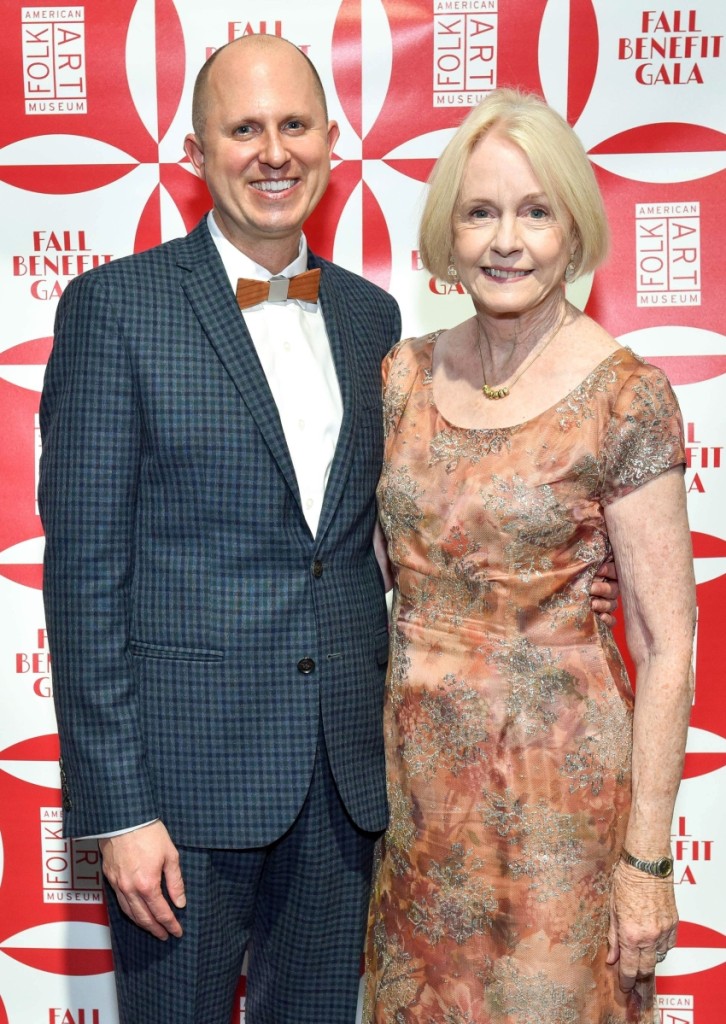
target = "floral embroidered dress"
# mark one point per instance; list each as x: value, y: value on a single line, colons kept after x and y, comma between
x: 508, y: 709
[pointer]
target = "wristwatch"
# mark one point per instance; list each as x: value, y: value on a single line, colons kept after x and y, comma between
x: 661, y: 868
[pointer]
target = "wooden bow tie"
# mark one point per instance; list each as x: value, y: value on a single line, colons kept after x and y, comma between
x: 278, y: 289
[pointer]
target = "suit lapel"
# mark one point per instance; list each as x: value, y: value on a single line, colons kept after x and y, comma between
x: 208, y: 290
x: 338, y: 326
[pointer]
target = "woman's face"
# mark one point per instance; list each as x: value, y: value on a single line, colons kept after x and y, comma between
x: 509, y: 250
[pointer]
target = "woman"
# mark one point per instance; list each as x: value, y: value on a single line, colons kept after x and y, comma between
x: 525, y: 875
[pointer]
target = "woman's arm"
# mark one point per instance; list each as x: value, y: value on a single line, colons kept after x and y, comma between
x: 649, y: 531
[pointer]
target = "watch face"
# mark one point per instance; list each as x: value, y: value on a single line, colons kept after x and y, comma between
x: 661, y: 868
x: 664, y: 867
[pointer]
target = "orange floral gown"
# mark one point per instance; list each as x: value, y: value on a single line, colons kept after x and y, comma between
x: 508, y: 716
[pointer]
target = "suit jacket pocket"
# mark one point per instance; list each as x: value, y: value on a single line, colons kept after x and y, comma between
x: 142, y: 649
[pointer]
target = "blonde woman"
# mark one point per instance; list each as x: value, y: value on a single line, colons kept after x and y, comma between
x: 526, y: 873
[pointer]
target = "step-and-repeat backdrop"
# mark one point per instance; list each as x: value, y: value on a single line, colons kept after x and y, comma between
x: 96, y: 102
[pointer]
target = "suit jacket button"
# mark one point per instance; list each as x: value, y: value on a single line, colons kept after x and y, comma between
x: 67, y: 804
x: 317, y: 568
x: 306, y: 665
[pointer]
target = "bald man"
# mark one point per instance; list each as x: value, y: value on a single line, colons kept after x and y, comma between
x: 211, y: 446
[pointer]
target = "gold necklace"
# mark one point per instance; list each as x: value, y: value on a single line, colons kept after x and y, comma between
x: 495, y: 393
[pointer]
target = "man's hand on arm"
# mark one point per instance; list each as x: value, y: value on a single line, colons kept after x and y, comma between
x: 135, y: 863
x: 604, y: 592
x: 381, y: 549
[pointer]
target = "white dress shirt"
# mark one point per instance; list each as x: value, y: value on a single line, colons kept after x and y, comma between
x: 293, y: 347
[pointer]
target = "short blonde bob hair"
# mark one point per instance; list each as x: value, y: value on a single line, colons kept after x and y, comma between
x: 557, y: 158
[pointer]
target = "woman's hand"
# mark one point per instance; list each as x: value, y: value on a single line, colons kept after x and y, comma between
x: 643, y: 922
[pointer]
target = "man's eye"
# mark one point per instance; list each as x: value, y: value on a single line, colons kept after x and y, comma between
x: 243, y: 129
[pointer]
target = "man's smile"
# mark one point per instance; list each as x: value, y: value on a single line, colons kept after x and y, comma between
x: 281, y: 185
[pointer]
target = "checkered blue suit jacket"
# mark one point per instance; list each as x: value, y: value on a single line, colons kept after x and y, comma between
x: 179, y: 585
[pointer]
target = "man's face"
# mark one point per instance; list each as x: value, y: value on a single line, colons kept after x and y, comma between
x: 265, y: 150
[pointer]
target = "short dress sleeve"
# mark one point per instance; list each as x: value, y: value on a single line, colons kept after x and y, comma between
x: 387, y: 363
x: 400, y: 370
x: 644, y: 436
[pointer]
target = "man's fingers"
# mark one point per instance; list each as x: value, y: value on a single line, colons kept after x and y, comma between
x: 603, y: 588
x: 136, y: 863
x: 163, y: 917
x: 151, y: 912
x: 137, y: 911
x: 604, y: 609
x: 603, y: 600
x: 607, y: 570
x: 175, y: 884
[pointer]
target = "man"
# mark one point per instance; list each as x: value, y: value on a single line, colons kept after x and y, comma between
x: 214, y: 605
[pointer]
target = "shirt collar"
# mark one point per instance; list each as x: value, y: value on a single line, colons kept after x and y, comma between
x: 237, y: 264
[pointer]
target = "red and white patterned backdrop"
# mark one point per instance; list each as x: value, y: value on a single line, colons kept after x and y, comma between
x: 96, y: 102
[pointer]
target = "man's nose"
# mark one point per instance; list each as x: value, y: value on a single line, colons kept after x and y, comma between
x: 273, y: 150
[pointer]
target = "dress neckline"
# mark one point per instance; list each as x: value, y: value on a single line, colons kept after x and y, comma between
x: 522, y: 423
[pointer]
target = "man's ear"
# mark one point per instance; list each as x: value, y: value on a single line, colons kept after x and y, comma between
x: 333, y: 135
x: 195, y: 151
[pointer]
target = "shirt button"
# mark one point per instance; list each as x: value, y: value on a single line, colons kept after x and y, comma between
x: 317, y: 568
x: 309, y: 503
x: 305, y: 665
x: 301, y: 424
